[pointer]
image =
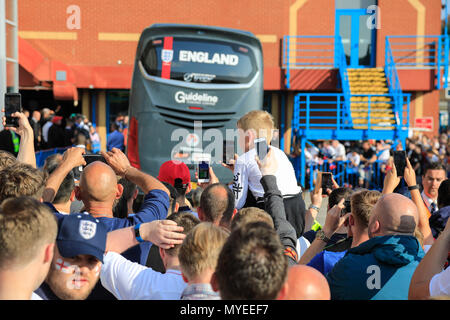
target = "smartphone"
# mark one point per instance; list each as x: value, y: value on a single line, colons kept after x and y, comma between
x: 203, y: 171
x: 347, y: 209
x: 261, y: 148
x: 13, y: 103
x: 228, y: 151
x: 400, y: 162
x: 89, y: 158
x: 326, y: 183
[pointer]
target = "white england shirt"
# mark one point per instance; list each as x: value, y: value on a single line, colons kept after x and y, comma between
x: 247, y: 176
x: 128, y: 280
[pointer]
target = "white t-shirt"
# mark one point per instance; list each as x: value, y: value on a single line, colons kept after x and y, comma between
x: 440, y: 284
x: 340, y: 152
x: 45, y: 128
x: 35, y: 296
x: 128, y: 280
x: 383, y: 155
x: 356, y: 159
x: 247, y: 176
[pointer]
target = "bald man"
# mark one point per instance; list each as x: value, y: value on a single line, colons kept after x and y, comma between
x: 217, y: 205
x: 304, y: 283
x: 381, y: 267
x: 98, y: 189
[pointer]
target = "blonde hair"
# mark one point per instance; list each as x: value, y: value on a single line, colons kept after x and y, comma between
x: 251, y: 214
x: 25, y: 226
x: 261, y: 122
x: 201, y: 248
x: 362, y: 203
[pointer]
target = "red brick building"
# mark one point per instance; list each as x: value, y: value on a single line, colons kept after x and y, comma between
x: 84, y: 54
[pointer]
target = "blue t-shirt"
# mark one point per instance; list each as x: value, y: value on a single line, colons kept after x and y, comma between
x: 115, y: 140
x: 324, y: 261
x: 154, y: 207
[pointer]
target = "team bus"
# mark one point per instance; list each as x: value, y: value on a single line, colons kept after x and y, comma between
x: 186, y: 76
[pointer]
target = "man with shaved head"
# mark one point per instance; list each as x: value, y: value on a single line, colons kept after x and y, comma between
x: 217, y: 205
x: 381, y: 267
x: 98, y: 189
x: 304, y: 283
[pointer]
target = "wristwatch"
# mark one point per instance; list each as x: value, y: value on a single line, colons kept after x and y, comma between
x: 320, y: 235
x: 314, y: 207
x: 413, y: 187
x: 137, y: 233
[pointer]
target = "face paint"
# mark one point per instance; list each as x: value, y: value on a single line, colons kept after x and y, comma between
x: 74, y: 282
x: 97, y: 271
x: 63, y: 266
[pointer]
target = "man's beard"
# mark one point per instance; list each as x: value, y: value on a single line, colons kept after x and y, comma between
x: 63, y: 292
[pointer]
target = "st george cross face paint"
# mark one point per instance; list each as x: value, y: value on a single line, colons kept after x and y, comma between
x: 64, y: 266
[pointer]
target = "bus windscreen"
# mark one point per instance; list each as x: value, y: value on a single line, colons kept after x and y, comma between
x: 197, y: 60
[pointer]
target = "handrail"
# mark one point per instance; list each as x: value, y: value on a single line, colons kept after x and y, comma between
x: 324, y: 110
x: 343, y: 173
x: 427, y: 52
x: 395, y: 88
x: 307, y: 52
x: 341, y: 63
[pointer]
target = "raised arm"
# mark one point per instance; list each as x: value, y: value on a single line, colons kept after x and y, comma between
x: 333, y: 221
x: 163, y: 233
x: 122, y: 167
x: 274, y: 205
x: 424, y: 224
x: 25, y: 131
x: 72, y: 158
x: 430, y: 266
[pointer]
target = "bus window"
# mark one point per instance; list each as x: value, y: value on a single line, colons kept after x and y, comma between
x: 210, y: 62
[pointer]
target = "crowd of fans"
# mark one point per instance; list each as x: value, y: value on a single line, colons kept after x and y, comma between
x: 360, y: 159
x: 53, y: 131
x: 251, y: 238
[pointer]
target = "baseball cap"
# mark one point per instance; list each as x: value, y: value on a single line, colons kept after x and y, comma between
x: 174, y: 169
x: 56, y: 119
x: 79, y: 234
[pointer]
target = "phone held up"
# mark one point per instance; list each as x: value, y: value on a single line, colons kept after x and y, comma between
x: 203, y: 170
x: 347, y: 209
x: 400, y: 162
x: 325, y: 181
x: 228, y: 151
x: 13, y: 103
x: 261, y: 148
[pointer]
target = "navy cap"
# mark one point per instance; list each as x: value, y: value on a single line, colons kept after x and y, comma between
x: 79, y: 234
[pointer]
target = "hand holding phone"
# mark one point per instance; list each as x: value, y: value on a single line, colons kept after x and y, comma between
x: 89, y: 158
x: 326, y: 182
x: 228, y: 152
x: 13, y: 104
x: 400, y: 162
x: 203, y: 171
x: 347, y: 209
x: 261, y: 148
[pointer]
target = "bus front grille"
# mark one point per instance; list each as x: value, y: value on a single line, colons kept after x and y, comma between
x: 186, y: 118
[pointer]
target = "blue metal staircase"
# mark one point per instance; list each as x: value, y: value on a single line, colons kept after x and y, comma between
x: 325, y: 116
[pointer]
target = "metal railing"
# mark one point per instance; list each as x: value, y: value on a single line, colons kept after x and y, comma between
x: 326, y: 110
x: 390, y: 70
x: 341, y: 63
x: 44, y: 154
x: 347, y: 175
x: 307, y: 52
x: 420, y: 52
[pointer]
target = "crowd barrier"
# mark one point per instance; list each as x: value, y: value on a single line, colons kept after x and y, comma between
x: 346, y: 175
x: 44, y: 154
